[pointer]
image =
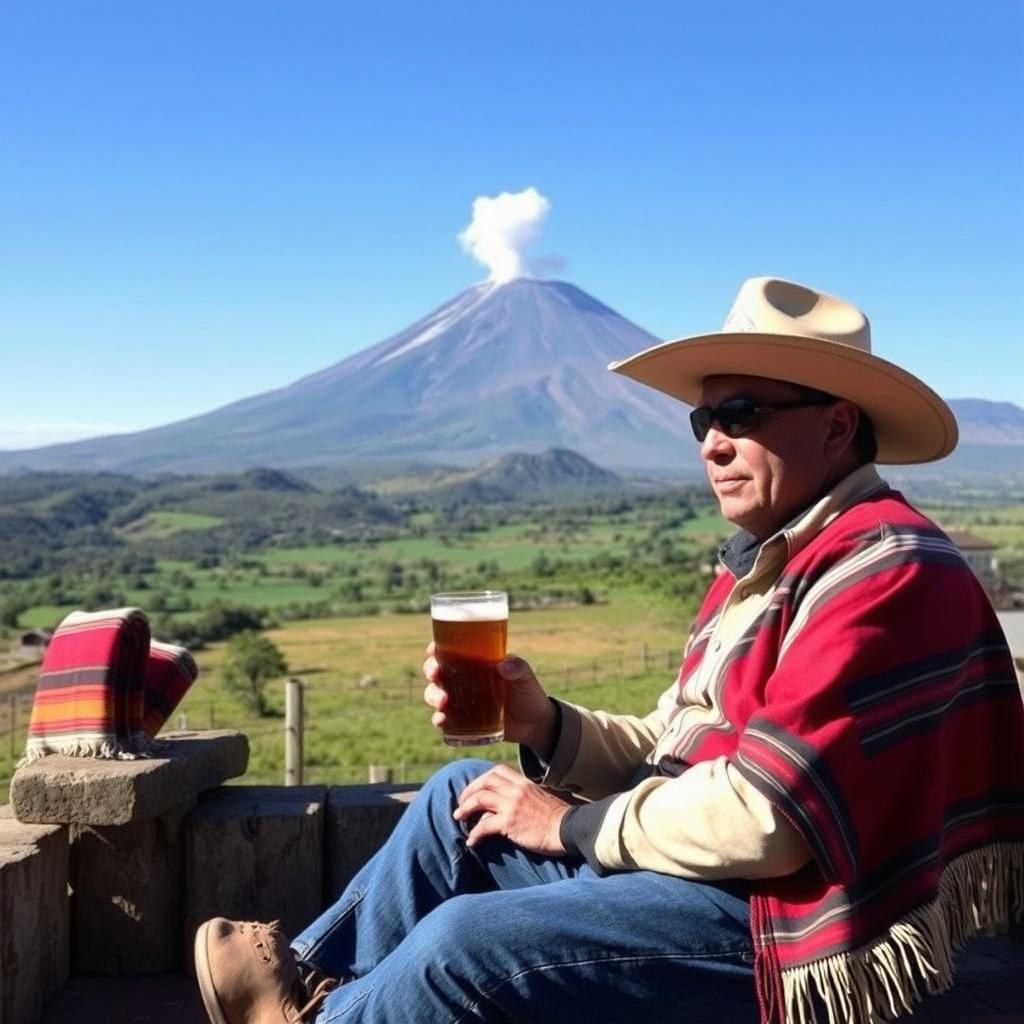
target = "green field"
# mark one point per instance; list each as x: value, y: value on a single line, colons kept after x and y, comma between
x: 590, y: 589
x: 389, y: 574
x: 591, y: 655
x: 167, y: 523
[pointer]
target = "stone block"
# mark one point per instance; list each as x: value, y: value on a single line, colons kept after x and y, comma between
x: 255, y: 853
x: 359, y: 820
x: 34, y: 928
x: 92, y: 791
x: 128, y: 893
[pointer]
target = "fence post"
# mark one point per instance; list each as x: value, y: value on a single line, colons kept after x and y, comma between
x: 378, y: 773
x: 293, y: 732
x: 14, y: 724
x: 211, y: 715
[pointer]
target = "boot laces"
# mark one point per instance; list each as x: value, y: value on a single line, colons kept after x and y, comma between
x: 318, y: 995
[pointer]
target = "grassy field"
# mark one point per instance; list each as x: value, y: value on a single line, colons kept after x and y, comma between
x: 362, y: 671
x: 592, y: 655
x: 165, y: 523
x: 1002, y: 526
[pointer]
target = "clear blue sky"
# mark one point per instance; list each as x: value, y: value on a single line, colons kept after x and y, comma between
x: 200, y: 201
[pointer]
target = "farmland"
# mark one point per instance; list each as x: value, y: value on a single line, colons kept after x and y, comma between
x: 602, y: 591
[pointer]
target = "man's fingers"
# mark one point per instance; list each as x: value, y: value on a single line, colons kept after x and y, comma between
x: 488, y: 825
x: 480, y: 782
x: 494, y: 778
x: 435, y: 696
x: 507, y: 772
x: 431, y: 669
x: 438, y: 718
x: 476, y: 803
x: 431, y: 649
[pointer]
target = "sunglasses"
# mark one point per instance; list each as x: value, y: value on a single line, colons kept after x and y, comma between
x: 738, y: 416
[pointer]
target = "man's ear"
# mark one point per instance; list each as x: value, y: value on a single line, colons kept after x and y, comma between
x: 842, y: 425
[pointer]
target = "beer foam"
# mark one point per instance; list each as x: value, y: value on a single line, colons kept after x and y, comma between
x: 471, y: 611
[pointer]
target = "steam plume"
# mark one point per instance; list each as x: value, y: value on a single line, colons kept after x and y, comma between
x: 502, y: 225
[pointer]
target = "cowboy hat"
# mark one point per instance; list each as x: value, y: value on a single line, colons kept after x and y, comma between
x: 790, y: 332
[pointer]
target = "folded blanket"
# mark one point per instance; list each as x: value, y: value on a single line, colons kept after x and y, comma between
x: 105, y: 687
x: 170, y: 671
x: 89, y: 699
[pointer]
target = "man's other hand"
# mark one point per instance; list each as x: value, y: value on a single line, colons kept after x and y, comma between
x: 509, y: 804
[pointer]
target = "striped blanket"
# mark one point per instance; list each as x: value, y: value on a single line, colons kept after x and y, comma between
x: 105, y: 688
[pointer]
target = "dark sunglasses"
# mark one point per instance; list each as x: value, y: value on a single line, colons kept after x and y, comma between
x: 738, y: 416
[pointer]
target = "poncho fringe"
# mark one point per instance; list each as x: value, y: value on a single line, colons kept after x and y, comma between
x: 980, y: 893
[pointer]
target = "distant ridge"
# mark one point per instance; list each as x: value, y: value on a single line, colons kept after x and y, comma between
x: 988, y: 423
x: 518, y: 367
x: 555, y: 474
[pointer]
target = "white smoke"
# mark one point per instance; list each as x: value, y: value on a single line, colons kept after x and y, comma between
x: 502, y: 225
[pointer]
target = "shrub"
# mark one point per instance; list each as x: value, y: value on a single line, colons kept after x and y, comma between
x: 252, y: 661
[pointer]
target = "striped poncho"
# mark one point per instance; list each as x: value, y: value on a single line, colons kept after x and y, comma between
x: 874, y: 703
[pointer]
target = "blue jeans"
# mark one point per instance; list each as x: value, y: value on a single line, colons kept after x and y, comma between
x: 431, y: 931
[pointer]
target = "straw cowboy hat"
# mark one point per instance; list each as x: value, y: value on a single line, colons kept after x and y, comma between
x: 790, y: 332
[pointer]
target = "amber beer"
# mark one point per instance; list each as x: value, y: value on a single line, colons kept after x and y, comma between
x: 470, y: 632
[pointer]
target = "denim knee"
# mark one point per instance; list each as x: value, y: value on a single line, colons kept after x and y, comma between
x: 456, y: 775
x: 463, y: 925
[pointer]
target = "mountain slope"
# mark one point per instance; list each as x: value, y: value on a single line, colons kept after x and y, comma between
x: 988, y: 423
x: 521, y: 366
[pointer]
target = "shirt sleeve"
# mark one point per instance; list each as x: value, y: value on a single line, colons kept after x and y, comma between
x: 707, y: 823
x: 598, y: 753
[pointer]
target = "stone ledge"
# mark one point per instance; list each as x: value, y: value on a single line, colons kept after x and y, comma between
x: 359, y: 820
x: 34, y: 933
x: 91, y: 791
x: 255, y: 852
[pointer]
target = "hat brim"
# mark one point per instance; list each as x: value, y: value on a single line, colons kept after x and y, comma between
x: 912, y: 423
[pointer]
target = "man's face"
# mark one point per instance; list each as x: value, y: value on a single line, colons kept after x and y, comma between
x: 765, y: 477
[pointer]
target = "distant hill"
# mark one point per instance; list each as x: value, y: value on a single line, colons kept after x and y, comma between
x: 554, y: 475
x: 54, y: 519
x: 989, y: 423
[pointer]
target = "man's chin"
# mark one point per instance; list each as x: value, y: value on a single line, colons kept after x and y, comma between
x: 733, y: 510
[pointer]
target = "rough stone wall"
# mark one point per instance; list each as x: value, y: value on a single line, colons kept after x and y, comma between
x: 141, y: 880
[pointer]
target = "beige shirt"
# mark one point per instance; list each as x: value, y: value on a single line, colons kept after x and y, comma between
x: 708, y: 822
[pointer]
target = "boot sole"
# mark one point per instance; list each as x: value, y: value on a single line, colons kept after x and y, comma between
x: 206, y: 988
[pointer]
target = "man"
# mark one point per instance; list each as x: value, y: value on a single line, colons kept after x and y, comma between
x: 827, y: 799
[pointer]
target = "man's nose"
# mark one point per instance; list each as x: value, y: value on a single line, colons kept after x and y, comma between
x: 717, y: 446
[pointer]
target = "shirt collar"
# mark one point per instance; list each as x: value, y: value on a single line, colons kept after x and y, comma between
x: 742, y: 550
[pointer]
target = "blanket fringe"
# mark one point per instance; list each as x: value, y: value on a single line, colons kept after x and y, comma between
x: 107, y: 749
x: 980, y: 893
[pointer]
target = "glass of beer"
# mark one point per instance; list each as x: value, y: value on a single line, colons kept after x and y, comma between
x: 470, y: 633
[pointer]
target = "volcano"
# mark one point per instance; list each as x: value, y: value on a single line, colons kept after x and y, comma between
x: 515, y: 367
x: 519, y: 367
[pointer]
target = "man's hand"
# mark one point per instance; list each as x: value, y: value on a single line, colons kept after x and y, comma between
x: 511, y: 805
x: 529, y: 716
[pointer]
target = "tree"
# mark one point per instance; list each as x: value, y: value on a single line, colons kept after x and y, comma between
x: 252, y: 661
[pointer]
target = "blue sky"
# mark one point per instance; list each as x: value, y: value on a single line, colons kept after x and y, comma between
x: 202, y: 201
